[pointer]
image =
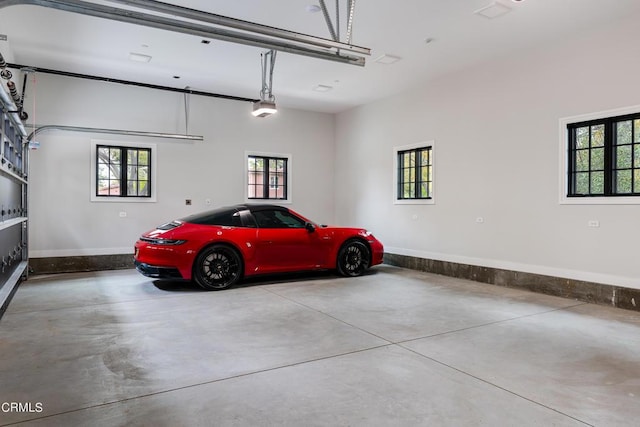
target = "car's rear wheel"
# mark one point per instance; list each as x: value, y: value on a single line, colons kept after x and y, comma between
x: 217, y: 267
x: 353, y: 258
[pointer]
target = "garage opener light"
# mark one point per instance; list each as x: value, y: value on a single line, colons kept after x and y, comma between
x: 267, y: 104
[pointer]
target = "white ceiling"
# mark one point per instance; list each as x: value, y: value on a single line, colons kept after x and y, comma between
x: 48, y: 38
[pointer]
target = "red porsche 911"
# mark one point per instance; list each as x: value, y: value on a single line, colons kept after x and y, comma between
x: 219, y: 247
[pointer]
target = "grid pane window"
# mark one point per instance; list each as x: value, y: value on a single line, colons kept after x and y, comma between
x: 267, y: 177
x: 123, y: 171
x: 108, y: 171
x: 415, y: 174
x: 604, y: 157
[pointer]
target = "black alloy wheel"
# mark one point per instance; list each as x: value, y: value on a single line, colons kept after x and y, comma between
x: 217, y: 267
x: 353, y: 258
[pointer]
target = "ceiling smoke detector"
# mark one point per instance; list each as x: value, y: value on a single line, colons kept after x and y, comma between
x: 493, y: 10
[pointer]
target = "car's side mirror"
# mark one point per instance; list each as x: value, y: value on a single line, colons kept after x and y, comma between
x: 310, y: 227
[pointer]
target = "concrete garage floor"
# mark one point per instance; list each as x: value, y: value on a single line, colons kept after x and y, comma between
x: 394, y: 347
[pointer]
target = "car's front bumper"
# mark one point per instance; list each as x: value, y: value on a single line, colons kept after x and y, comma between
x: 157, y: 272
x: 377, y: 252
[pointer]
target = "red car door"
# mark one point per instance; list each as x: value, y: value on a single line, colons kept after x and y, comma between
x: 284, y: 243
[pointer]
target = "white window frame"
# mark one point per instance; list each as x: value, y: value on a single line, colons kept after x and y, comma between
x: 396, y: 150
x: 564, y: 160
x: 131, y: 199
x: 286, y: 156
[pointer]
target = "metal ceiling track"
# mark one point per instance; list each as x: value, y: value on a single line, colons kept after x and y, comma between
x: 244, y: 32
x: 238, y: 24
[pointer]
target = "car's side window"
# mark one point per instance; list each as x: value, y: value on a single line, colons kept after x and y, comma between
x: 248, y: 220
x: 277, y: 219
x: 289, y: 220
x: 235, y: 220
x: 229, y: 219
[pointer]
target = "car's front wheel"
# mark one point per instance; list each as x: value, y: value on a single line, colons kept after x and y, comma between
x: 217, y: 267
x: 353, y: 258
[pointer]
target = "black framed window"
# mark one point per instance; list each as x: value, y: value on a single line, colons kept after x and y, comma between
x: 415, y: 174
x: 267, y: 177
x: 604, y: 157
x: 123, y: 171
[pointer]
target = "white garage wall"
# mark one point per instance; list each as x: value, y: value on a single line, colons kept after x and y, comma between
x: 496, y: 129
x: 63, y: 220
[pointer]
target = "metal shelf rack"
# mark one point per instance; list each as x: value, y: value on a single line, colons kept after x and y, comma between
x: 14, y: 220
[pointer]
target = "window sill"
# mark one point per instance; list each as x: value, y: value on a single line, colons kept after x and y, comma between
x: 268, y: 201
x: 622, y: 200
x: 123, y: 199
x: 414, y: 202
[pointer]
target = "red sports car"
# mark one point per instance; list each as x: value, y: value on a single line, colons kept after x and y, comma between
x: 219, y: 247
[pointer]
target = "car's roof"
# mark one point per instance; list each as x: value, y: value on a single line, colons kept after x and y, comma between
x: 256, y: 207
x: 211, y: 215
x: 225, y: 215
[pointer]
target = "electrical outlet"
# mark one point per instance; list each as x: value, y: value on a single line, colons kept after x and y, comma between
x: 187, y: 202
x: 122, y: 214
x: 593, y: 223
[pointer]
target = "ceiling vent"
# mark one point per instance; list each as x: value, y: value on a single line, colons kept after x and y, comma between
x: 322, y: 88
x: 387, y: 59
x: 138, y: 57
x: 494, y: 10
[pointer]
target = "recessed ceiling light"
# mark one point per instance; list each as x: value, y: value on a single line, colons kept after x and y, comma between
x: 429, y: 40
x: 205, y: 41
x: 323, y: 88
x: 138, y: 57
x: 176, y: 77
x: 517, y: 1
x: 313, y: 8
x: 387, y: 59
x: 493, y: 10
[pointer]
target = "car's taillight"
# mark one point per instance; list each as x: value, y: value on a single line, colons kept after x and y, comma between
x: 165, y: 242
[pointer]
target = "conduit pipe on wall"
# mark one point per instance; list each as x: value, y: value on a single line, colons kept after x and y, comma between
x: 299, y: 46
x: 40, y: 129
x: 189, y: 91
